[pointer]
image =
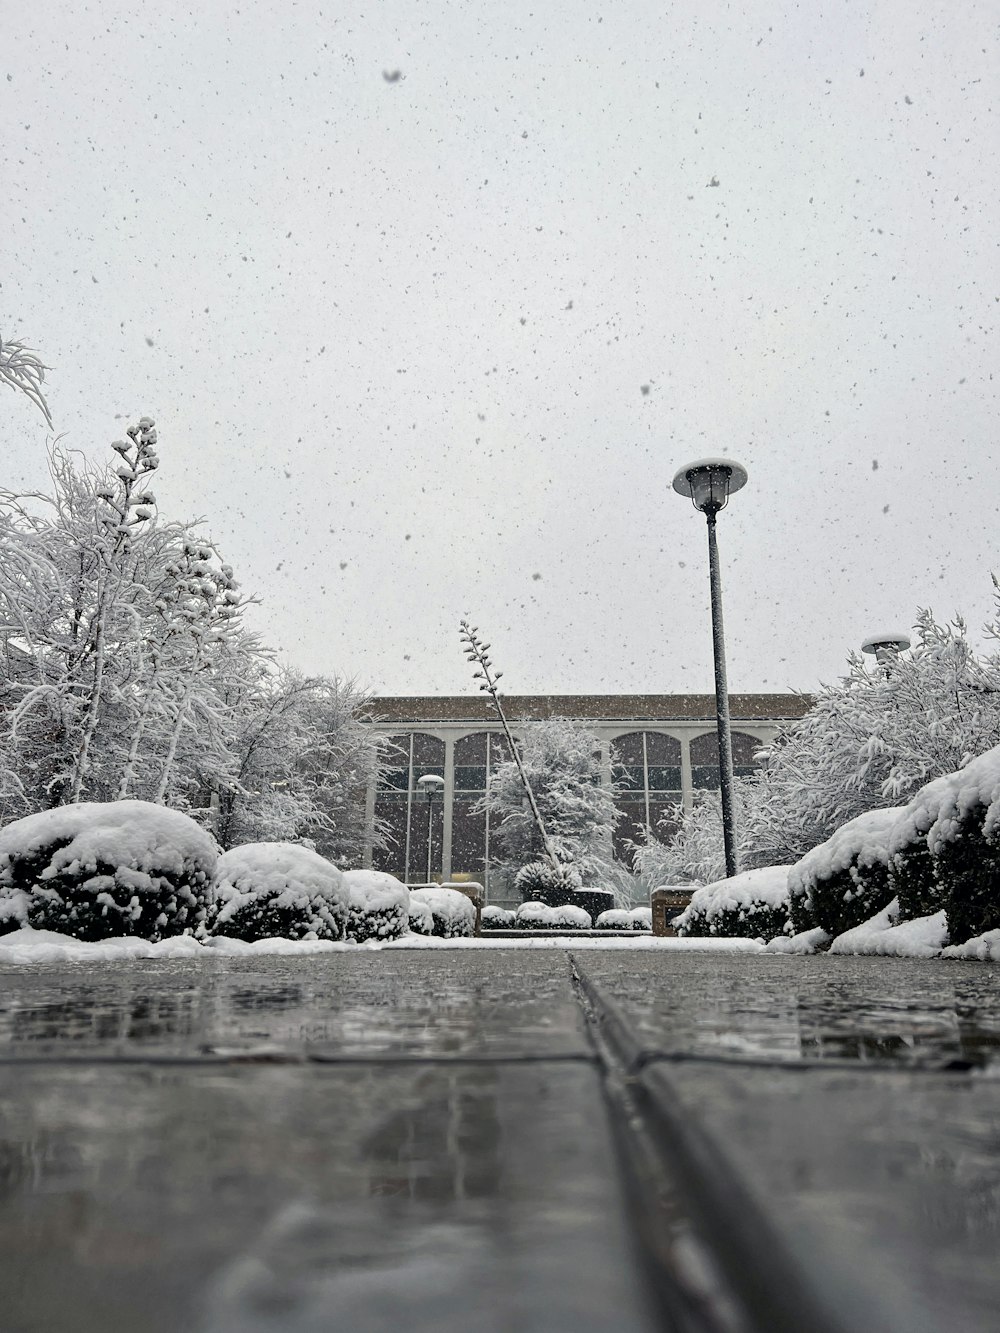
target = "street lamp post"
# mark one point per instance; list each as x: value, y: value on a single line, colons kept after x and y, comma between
x: 430, y: 784
x: 709, y: 483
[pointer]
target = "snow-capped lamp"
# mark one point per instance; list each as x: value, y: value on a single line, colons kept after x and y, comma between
x: 709, y: 482
x: 886, y: 646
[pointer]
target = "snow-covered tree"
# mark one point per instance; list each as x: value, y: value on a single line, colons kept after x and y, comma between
x: 867, y: 742
x: 22, y: 370
x: 304, y: 759
x: 562, y: 762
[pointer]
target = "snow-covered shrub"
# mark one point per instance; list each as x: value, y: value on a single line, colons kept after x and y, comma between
x: 453, y: 913
x: 945, y: 849
x: 498, y: 918
x: 641, y: 918
x: 96, y: 870
x: 538, y: 881
x: 845, y: 880
x: 615, y: 919
x: 267, y: 889
x: 753, y: 903
x: 540, y: 916
x: 420, y: 918
x: 378, y: 906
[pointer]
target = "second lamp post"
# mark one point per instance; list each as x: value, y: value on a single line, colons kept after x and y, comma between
x: 709, y: 484
x: 430, y: 784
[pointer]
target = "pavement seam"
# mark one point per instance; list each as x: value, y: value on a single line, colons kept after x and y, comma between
x: 773, y: 1289
x: 213, y: 1061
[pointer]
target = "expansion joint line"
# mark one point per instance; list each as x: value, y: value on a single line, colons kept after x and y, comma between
x: 718, y: 1263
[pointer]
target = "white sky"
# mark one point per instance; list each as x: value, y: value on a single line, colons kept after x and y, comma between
x: 394, y: 333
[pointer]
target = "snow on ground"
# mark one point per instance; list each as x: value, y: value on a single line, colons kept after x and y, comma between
x: 886, y: 936
x: 981, y: 948
x: 28, y: 947
x: 807, y: 941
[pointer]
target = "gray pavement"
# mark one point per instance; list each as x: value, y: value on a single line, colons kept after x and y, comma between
x: 500, y: 1140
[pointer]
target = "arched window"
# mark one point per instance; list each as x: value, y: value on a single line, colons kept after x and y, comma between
x: 476, y: 756
x: 705, y: 758
x: 648, y: 768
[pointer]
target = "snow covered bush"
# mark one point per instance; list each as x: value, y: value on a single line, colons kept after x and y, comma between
x: 420, y: 918
x: 540, y: 916
x: 615, y: 919
x: 452, y: 913
x: 498, y: 918
x: 96, y: 870
x: 378, y: 906
x: 267, y: 889
x: 541, y: 881
x: 945, y: 849
x: 845, y: 880
x: 753, y: 903
x: 642, y: 918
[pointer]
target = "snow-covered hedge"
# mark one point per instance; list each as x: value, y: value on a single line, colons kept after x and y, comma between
x: 618, y: 918
x: 268, y: 889
x: 452, y: 913
x: 752, y: 904
x: 98, y: 869
x: 378, y: 906
x: 845, y: 880
x: 945, y: 849
x: 540, y: 916
x: 498, y: 918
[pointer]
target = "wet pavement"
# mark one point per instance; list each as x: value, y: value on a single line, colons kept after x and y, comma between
x: 500, y: 1140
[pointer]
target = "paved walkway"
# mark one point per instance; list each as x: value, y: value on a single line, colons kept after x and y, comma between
x: 500, y: 1140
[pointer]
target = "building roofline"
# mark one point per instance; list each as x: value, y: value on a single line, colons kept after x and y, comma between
x: 586, y: 707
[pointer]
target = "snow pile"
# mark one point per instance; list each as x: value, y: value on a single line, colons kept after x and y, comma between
x: 807, y: 941
x: 843, y: 881
x: 277, y: 889
x: 378, y: 906
x: 753, y: 904
x: 32, y: 947
x: 452, y: 913
x: 982, y: 948
x: 945, y: 848
x: 498, y: 918
x: 885, y: 935
x: 98, y: 869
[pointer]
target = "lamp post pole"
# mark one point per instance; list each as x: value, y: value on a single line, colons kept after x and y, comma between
x: 722, y: 704
x: 709, y: 484
x: 430, y: 783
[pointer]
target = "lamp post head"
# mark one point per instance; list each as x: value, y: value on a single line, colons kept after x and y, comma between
x: 886, y: 646
x: 709, y: 482
x: 430, y: 784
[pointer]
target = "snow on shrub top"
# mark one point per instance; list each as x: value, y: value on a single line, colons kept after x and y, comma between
x: 446, y: 903
x: 373, y: 891
x: 862, y: 841
x: 615, y: 918
x: 767, y: 885
x: 939, y: 809
x: 134, y: 835
x: 283, y: 873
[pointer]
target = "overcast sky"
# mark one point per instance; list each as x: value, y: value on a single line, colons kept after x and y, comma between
x: 430, y: 299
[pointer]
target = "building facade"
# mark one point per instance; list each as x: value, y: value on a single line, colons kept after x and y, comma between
x: 666, y: 747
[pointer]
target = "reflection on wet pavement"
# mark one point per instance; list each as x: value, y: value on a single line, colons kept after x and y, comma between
x: 338, y: 1004
x: 275, y: 1198
x: 898, y: 1011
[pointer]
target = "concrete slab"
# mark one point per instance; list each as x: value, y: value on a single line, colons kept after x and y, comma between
x: 302, y: 1198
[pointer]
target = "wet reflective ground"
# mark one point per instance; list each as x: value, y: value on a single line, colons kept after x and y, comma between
x: 379, y: 1141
